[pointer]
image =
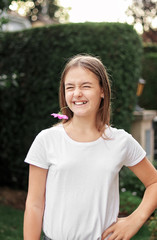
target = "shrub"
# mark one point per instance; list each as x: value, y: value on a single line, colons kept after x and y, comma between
x: 152, y: 226
x: 129, y: 182
x: 35, y: 58
x: 150, y: 47
x: 148, y: 98
x: 128, y: 203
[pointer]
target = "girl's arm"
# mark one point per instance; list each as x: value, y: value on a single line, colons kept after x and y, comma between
x: 126, y: 228
x: 35, y: 203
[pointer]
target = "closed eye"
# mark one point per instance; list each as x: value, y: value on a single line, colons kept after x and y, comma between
x: 86, y: 86
x: 69, y: 88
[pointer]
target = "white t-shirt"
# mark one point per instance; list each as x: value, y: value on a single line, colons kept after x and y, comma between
x: 82, y: 189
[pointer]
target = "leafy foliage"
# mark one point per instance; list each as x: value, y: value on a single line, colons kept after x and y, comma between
x: 128, y: 203
x: 37, y: 57
x: 152, y: 226
x: 129, y: 182
x: 148, y: 99
x: 3, y: 20
x: 39, y: 9
x: 150, y: 36
x: 4, y: 4
x: 143, y: 12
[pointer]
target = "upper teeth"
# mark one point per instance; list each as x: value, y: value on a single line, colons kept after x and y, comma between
x: 79, y: 103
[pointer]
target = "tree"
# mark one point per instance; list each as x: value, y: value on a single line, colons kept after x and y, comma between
x: 143, y: 13
x: 5, y: 4
x: 150, y: 36
x: 46, y: 10
x: 3, y: 7
x: 50, y: 9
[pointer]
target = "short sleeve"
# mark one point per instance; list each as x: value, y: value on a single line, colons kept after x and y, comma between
x: 134, y: 152
x: 37, y: 154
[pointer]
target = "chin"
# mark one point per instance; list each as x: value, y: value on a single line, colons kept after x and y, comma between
x: 82, y: 114
x: 78, y: 114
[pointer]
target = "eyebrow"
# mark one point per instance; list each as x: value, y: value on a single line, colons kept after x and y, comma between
x: 71, y: 84
x: 86, y: 83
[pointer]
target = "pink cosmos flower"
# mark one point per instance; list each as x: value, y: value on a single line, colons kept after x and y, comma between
x: 59, y: 116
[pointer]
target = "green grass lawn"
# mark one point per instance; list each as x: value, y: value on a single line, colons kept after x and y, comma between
x: 11, y: 225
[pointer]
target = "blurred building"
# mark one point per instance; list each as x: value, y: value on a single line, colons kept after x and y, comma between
x: 144, y: 130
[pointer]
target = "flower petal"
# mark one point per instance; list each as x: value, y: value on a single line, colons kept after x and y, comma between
x: 59, y: 116
x: 54, y: 115
x: 64, y: 117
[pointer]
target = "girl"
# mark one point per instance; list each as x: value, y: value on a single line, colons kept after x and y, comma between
x: 73, y: 180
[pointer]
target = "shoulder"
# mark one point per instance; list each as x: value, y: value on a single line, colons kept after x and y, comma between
x: 116, y: 134
x: 51, y: 133
x: 120, y: 137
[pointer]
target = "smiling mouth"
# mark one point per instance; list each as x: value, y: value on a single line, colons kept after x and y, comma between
x: 80, y: 103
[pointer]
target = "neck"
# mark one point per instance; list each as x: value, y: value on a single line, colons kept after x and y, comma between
x: 84, y: 124
x: 82, y: 129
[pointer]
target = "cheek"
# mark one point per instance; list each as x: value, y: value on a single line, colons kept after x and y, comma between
x: 97, y: 99
x: 68, y: 96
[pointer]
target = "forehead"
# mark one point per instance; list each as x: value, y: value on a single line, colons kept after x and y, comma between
x: 79, y: 75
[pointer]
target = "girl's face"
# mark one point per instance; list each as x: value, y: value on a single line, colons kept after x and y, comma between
x: 82, y: 92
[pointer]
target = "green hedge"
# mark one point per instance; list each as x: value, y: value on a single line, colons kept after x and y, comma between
x: 31, y: 65
x: 148, y: 99
x: 150, y: 47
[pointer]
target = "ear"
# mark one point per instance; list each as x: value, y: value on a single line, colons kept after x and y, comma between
x: 102, y: 94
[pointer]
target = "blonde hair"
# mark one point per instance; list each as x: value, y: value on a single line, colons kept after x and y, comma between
x: 94, y: 65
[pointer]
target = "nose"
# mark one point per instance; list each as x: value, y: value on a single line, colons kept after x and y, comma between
x: 77, y: 92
